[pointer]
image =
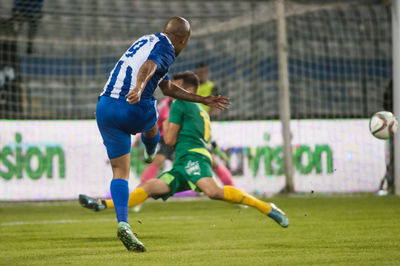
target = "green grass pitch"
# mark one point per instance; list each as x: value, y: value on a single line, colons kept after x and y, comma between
x: 359, y: 230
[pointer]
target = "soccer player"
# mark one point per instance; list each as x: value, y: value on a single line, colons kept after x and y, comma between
x: 165, y: 151
x: 127, y: 106
x: 207, y: 88
x: 189, y: 128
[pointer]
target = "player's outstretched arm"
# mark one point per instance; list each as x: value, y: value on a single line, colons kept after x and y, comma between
x: 145, y: 73
x: 171, y: 131
x: 170, y: 89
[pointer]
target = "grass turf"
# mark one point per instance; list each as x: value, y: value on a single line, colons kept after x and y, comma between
x: 361, y: 230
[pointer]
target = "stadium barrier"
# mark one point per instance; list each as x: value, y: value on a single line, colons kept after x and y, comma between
x: 46, y: 160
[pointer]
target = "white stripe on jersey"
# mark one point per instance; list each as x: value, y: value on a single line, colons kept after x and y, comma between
x: 134, y: 57
x: 155, y: 107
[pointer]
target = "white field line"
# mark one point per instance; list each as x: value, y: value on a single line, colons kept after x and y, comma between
x: 74, y: 202
x: 70, y: 221
x: 63, y: 221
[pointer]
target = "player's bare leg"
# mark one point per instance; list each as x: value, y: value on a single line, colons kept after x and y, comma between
x: 222, y: 172
x: 210, y: 188
x: 120, y: 195
x: 150, y: 173
x: 152, y: 132
x: 120, y: 168
x: 159, y: 160
x: 155, y: 187
x: 138, y: 196
x: 234, y: 195
x: 152, y: 169
x: 150, y: 140
x: 152, y: 187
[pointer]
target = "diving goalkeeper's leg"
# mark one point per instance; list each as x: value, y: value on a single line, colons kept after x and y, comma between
x: 234, y: 195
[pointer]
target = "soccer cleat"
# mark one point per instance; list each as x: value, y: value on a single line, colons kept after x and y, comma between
x: 129, y: 240
x: 278, y: 216
x: 148, y: 158
x: 91, y: 203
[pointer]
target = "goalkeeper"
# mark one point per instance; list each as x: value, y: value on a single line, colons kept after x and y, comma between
x: 207, y: 88
x: 189, y: 128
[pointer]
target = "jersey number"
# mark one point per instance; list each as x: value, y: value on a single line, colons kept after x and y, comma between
x: 207, y: 126
x: 136, y: 46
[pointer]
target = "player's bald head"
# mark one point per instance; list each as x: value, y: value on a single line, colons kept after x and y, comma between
x: 177, y: 26
x: 178, y: 31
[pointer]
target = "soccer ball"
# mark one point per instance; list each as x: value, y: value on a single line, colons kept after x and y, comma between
x: 383, y: 125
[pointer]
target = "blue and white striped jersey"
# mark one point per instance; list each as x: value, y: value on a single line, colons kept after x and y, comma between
x: 122, y: 79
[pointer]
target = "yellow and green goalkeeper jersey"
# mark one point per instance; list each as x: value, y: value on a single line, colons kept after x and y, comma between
x: 206, y: 89
x: 195, y: 128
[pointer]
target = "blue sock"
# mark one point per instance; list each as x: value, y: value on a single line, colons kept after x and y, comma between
x: 120, y: 196
x: 151, y: 143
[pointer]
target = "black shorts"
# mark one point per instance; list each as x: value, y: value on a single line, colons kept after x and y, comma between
x: 166, y: 150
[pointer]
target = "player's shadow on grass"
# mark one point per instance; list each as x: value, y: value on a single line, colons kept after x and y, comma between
x: 86, y: 239
x: 144, y: 237
x: 100, y: 239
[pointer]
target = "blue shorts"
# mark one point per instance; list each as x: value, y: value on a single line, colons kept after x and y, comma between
x: 117, y: 120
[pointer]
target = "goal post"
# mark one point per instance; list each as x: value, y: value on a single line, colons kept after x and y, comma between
x: 284, y: 94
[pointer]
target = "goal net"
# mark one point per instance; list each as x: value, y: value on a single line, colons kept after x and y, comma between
x: 56, y: 56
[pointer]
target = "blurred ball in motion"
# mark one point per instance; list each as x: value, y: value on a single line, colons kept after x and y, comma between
x: 383, y: 125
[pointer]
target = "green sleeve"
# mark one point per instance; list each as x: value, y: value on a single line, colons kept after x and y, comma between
x: 176, y: 112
